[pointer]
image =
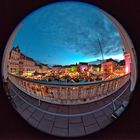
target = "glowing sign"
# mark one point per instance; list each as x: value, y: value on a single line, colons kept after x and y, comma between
x: 97, y: 69
x: 73, y: 68
x: 83, y: 67
x: 127, y: 63
x: 126, y: 69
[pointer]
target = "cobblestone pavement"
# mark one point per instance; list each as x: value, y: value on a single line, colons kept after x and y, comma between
x: 67, y: 120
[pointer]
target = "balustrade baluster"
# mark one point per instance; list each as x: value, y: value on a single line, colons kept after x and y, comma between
x: 69, y: 94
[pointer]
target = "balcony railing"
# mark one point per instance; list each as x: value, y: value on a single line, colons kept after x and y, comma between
x: 69, y: 93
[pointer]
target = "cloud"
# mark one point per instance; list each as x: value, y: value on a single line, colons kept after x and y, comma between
x: 72, y: 28
x: 87, y: 39
x: 78, y: 29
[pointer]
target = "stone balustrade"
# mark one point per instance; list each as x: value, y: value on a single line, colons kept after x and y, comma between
x: 69, y: 93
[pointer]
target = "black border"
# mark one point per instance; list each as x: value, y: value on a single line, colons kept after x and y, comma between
x: 127, y: 12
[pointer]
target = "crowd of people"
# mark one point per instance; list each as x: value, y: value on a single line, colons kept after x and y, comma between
x: 67, y: 77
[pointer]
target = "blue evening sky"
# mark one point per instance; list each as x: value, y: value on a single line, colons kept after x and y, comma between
x: 68, y: 33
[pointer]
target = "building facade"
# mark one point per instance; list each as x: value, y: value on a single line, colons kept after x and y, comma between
x: 109, y: 66
x: 127, y: 62
x: 20, y: 64
x: 26, y: 65
x: 13, y: 63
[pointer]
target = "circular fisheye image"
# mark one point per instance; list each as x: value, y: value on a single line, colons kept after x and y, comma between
x: 69, y: 69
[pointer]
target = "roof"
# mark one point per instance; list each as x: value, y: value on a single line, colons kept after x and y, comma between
x: 83, y: 63
x: 26, y: 57
x: 57, y: 66
x: 111, y: 60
